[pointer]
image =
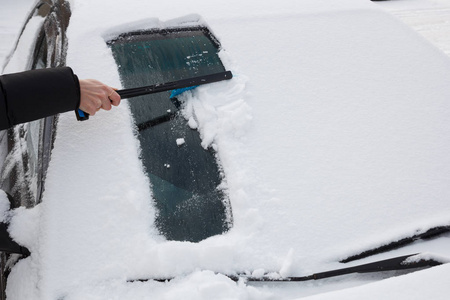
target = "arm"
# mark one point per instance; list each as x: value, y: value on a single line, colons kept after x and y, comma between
x: 36, y: 94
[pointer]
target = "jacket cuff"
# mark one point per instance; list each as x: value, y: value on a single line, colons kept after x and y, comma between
x: 36, y: 94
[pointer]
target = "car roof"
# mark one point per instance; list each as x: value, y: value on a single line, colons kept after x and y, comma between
x: 333, y: 137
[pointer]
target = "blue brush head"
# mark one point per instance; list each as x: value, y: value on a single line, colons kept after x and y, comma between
x: 177, y: 92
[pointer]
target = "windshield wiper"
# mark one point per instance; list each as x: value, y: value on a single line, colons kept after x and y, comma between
x: 392, y: 264
x: 433, y: 232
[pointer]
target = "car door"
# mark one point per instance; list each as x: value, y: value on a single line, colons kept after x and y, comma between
x: 27, y: 147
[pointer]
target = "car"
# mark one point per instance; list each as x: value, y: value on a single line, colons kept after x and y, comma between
x: 324, y: 156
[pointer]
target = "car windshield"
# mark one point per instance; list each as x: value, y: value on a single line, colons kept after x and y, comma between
x: 184, y: 177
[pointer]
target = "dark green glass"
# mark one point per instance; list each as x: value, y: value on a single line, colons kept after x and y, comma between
x: 184, y: 179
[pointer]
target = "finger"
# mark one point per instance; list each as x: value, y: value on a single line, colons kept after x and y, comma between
x: 90, y: 110
x: 95, y: 106
x: 106, y: 103
x: 91, y: 106
x: 114, y: 98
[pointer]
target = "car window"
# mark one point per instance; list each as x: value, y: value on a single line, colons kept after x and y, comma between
x: 184, y: 177
x: 40, y: 60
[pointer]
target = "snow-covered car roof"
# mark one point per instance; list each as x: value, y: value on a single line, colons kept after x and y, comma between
x: 333, y: 137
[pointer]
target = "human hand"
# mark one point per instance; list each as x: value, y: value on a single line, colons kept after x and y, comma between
x: 95, y: 95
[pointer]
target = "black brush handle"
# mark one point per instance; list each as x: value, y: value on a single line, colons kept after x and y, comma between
x: 179, y: 84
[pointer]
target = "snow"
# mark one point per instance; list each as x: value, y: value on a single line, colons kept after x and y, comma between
x: 4, y: 206
x: 13, y: 14
x: 180, y: 141
x: 22, y: 56
x: 332, y: 135
x: 430, y: 19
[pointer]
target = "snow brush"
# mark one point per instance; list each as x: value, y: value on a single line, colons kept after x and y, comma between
x: 177, y: 88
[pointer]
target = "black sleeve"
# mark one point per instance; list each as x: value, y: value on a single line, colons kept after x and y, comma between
x: 36, y: 94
